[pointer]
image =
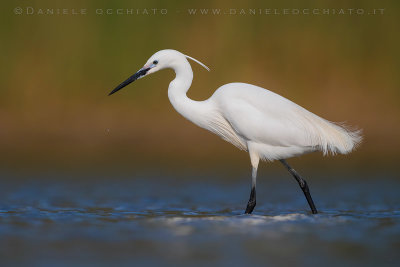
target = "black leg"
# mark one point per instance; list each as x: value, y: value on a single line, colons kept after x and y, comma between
x: 303, y: 186
x: 252, y: 201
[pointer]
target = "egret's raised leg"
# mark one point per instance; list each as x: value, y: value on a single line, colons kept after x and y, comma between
x: 303, y: 185
x: 252, y: 201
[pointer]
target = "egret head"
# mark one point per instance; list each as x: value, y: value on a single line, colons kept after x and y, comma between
x: 167, y: 58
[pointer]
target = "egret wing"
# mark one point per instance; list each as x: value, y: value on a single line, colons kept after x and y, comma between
x: 259, y: 115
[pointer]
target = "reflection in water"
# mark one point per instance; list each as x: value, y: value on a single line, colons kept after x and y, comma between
x: 173, y: 222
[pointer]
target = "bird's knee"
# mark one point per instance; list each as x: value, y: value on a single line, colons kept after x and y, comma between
x: 302, y: 183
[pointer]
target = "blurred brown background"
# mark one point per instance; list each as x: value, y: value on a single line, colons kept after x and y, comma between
x: 57, y: 70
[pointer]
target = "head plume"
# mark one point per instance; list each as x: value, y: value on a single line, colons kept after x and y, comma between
x: 198, y: 62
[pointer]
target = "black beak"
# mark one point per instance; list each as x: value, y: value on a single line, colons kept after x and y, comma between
x: 133, y: 78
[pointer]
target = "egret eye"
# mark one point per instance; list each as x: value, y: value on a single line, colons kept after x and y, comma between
x: 155, y: 62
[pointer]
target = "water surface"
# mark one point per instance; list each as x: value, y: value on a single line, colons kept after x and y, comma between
x: 156, y: 220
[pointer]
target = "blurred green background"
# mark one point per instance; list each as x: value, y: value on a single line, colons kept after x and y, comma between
x: 57, y: 70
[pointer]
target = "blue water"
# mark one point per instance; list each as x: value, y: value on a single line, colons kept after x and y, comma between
x: 163, y: 220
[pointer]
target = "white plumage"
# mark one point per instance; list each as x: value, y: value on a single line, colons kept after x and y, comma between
x: 259, y: 121
x: 277, y: 127
x: 267, y: 125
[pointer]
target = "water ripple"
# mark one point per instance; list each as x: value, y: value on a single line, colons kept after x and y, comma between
x: 114, y: 224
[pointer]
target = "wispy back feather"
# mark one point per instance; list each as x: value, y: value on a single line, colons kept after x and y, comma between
x: 330, y: 137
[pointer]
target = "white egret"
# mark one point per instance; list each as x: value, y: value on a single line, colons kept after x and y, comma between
x: 266, y: 125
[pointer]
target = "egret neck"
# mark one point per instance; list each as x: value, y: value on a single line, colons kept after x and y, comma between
x: 190, y: 109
